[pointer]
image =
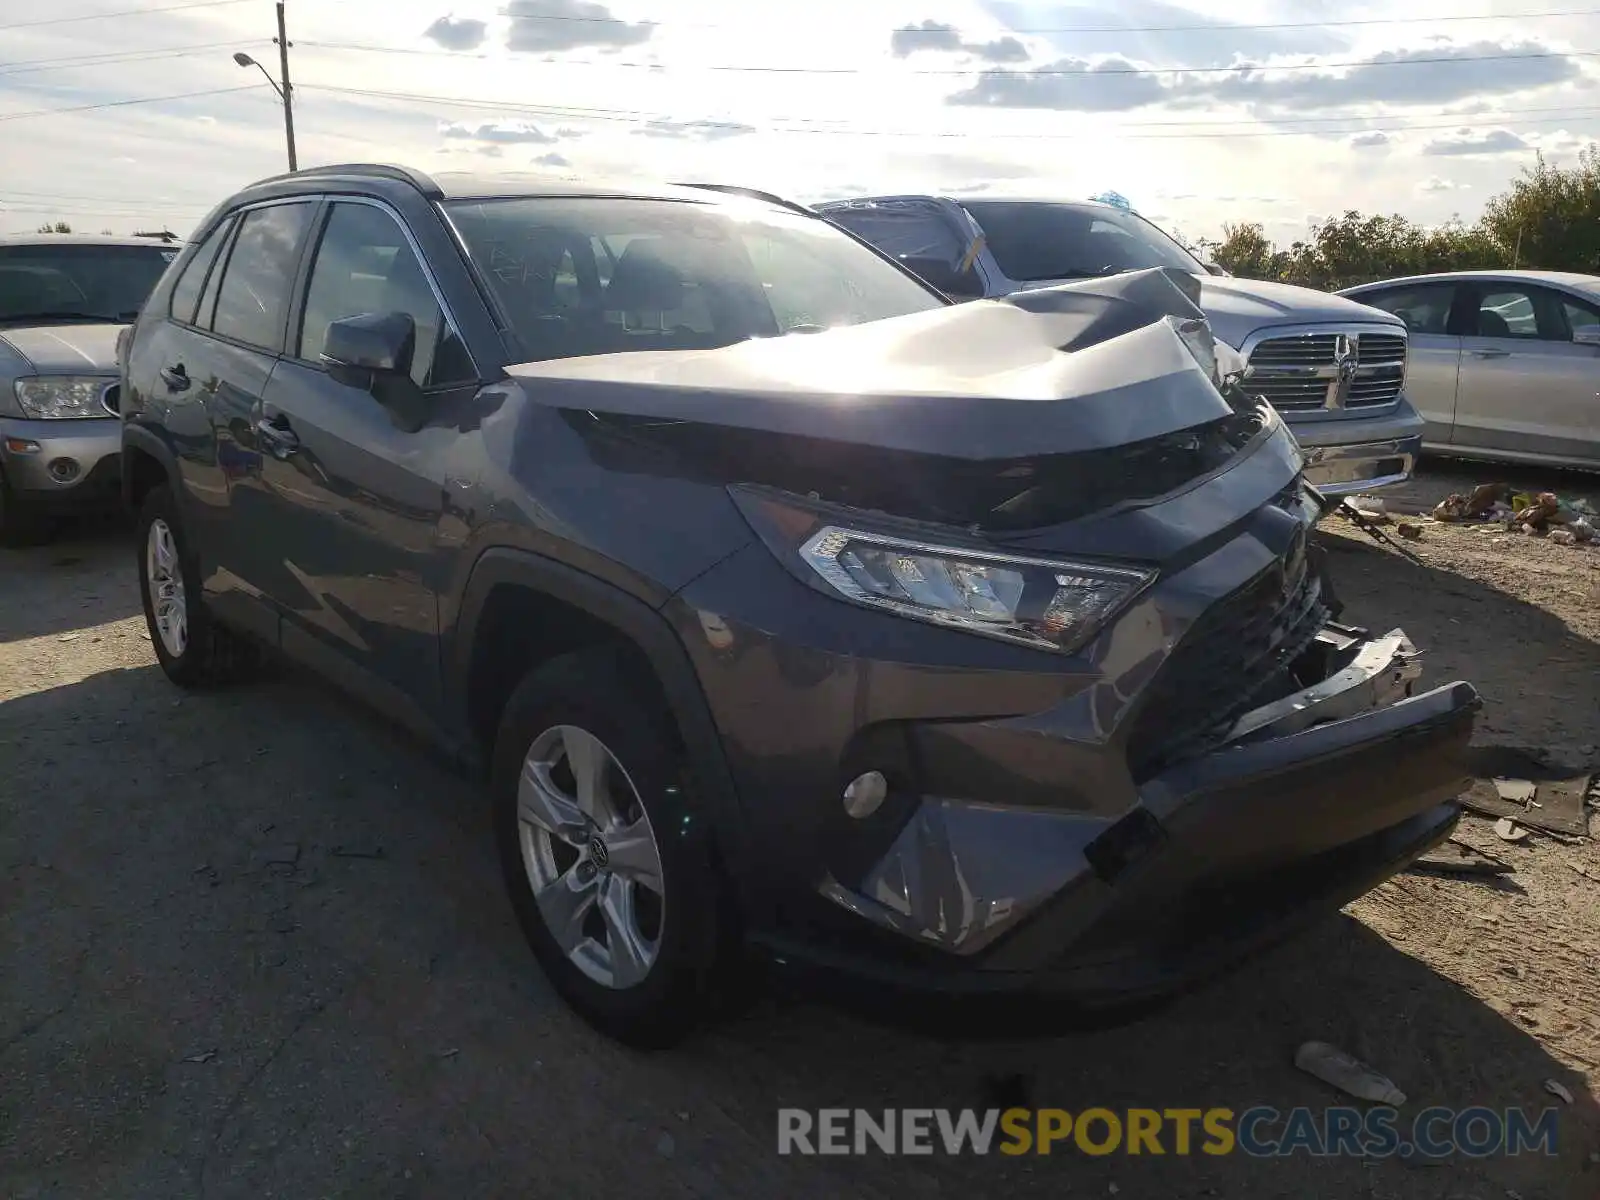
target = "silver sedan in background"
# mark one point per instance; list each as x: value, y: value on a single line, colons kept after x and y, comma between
x: 1504, y: 365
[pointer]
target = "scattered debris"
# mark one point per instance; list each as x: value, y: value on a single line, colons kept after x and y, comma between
x: 1503, y: 777
x: 1535, y: 514
x: 206, y: 1056
x: 358, y: 850
x: 69, y: 637
x: 1509, y: 831
x: 1371, y: 508
x: 1458, y: 858
x: 1514, y: 791
x: 1349, y: 1075
x: 1563, y: 537
x: 285, y: 854
x: 1407, y: 530
x: 1559, y: 1090
x: 451, y: 1053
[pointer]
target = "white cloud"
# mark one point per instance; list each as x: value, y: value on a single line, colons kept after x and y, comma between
x: 643, y: 87
x: 1469, y: 141
x: 1435, y: 184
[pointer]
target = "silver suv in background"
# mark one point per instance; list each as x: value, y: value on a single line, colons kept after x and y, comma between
x: 1335, y: 369
x: 64, y: 299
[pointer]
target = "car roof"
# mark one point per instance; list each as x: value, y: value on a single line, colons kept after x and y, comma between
x: 85, y: 239
x: 986, y: 198
x: 476, y: 185
x: 1567, y: 278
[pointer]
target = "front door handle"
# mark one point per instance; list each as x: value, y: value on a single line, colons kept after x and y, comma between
x: 1491, y: 353
x: 280, y: 440
x: 176, y: 378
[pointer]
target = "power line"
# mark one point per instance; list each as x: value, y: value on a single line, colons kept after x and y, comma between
x: 1097, y: 71
x: 117, y: 57
x: 126, y: 12
x: 636, y: 116
x: 50, y: 112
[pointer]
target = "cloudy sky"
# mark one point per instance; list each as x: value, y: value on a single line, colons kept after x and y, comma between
x: 1200, y: 114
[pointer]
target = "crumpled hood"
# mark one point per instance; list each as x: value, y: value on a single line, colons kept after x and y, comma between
x: 89, y: 349
x: 1083, y: 367
x: 1236, y: 308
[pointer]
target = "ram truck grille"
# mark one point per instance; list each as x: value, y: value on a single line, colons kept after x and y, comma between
x: 1333, y: 370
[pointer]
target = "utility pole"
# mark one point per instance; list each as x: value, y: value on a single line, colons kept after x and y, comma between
x: 288, y: 88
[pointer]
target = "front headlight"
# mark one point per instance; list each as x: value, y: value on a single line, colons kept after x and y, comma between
x: 1052, y: 604
x: 62, y: 396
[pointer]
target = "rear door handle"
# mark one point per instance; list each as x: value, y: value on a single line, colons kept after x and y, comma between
x: 1492, y: 353
x: 176, y: 378
x: 280, y: 440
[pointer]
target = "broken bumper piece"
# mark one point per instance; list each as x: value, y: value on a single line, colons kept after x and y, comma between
x: 1309, y: 802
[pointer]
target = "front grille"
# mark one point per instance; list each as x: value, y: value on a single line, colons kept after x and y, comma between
x: 111, y: 399
x: 1228, y: 662
x: 1306, y: 372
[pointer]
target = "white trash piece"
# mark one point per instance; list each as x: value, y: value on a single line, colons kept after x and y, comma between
x: 1349, y: 1075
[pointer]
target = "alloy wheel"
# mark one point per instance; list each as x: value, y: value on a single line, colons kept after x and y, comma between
x: 165, y: 577
x: 591, y: 856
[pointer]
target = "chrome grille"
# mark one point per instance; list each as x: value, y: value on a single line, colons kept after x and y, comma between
x: 111, y: 399
x: 1311, y: 371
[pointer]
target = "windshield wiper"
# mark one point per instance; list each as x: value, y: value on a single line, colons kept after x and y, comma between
x: 70, y: 315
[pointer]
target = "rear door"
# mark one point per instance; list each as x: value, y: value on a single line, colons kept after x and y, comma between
x: 1526, y: 387
x: 354, y: 504
x: 208, y: 367
x: 1434, y: 355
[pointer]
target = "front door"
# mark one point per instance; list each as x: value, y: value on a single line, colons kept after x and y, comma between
x: 356, y: 501
x: 1526, y: 388
x: 1433, y: 358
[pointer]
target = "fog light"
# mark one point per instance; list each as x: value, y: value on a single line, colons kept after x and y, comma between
x: 22, y: 445
x: 63, y: 470
x: 864, y: 795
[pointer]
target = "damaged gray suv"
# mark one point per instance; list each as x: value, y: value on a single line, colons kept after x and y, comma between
x: 783, y: 605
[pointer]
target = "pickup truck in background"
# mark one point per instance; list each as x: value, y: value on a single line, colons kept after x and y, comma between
x: 1335, y: 369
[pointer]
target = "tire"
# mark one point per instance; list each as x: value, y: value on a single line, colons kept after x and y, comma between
x: 592, y: 693
x: 206, y: 653
x: 20, y: 523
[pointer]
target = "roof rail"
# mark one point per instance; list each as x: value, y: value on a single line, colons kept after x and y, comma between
x: 732, y: 189
x: 423, y: 183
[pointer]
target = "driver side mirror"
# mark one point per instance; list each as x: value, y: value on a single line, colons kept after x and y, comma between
x: 942, y: 274
x: 373, y: 352
x: 370, y: 344
x: 1586, y: 335
x: 1216, y: 268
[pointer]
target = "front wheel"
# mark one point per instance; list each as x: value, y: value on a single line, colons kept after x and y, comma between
x: 605, y: 862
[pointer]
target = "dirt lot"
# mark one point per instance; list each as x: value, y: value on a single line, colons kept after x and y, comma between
x: 252, y: 944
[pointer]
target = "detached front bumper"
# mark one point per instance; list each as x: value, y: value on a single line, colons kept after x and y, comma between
x: 62, y: 464
x: 1309, y: 802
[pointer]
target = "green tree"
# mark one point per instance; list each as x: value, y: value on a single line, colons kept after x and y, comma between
x: 1244, y: 250
x: 1550, y: 218
x: 58, y: 227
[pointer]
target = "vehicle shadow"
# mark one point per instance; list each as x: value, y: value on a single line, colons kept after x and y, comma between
x: 260, y: 910
x: 1540, y: 681
x: 83, y: 576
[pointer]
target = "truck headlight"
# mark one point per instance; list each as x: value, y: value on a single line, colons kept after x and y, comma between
x: 62, y: 396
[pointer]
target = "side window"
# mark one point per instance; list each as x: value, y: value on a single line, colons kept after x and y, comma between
x: 186, y: 292
x: 1579, y: 315
x: 365, y: 265
x: 1510, y: 312
x: 910, y: 232
x: 1424, y: 308
x: 254, y: 295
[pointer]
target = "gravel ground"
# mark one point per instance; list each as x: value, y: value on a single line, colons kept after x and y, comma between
x: 252, y: 944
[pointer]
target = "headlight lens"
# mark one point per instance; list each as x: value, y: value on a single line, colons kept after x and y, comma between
x: 62, y: 396
x: 1054, y: 605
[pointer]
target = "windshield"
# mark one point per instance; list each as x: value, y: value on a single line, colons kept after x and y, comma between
x: 604, y: 276
x: 79, y: 282
x: 1065, y: 241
